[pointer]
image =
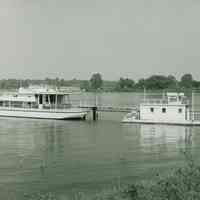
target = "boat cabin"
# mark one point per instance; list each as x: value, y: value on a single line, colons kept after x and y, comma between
x: 171, y: 107
x: 37, y: 97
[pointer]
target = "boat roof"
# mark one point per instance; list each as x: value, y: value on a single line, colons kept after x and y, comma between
x: 48, y: 90
x: 174, y: 94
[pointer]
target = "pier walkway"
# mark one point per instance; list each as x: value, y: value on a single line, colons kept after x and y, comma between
x: 96, y: 107
x: 109, y: 108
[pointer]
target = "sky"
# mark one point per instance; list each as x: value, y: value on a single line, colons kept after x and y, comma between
x: 76, y: 38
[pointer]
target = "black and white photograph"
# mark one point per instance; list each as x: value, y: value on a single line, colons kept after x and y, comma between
x: 99, y: 100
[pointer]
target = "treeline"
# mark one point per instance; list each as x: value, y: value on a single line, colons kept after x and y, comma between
x: 158, y: 82
x: 154, y: 82
x: 96, y: 83
x: 16, y: 83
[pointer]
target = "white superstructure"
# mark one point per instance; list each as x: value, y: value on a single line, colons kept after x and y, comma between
x: 172, y: 108
x: 40, y: 102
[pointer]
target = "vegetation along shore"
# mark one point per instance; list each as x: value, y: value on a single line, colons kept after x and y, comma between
x: 96, y: 82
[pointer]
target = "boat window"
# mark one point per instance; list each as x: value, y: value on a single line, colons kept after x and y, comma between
x: 152, y: 110
x: 40, y: 99
x: 180, y: 110
x: 163, y: 110
x: 173, y: 99
x: 46, y: 99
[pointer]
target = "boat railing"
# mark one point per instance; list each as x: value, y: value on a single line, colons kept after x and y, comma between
x: 155, y: 101
x: 163, y: 101
x: 54, y: 106
x: 36, y: 106
x: 195, y: 115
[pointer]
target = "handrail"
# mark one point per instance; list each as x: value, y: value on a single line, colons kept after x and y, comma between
x: 162, y: 101
x: 35, y: 106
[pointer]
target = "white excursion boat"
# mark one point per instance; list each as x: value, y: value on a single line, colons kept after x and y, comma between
x: 172, y: 108
x: 40, y: 102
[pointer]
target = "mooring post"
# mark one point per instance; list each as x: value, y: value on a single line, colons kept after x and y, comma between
x: 94, y: 113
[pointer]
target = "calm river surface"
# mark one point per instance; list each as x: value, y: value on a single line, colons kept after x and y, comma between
x: 70, y: 156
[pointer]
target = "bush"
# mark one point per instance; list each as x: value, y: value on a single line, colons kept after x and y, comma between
x: 181, y: 184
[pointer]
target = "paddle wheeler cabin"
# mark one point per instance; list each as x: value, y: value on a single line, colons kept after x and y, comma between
x: 40, y: 102
x: 172, y: 108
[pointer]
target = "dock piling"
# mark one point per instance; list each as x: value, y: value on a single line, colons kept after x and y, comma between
x: 94, y: 113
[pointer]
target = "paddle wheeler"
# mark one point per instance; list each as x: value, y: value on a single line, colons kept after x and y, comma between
x: 171, y: 108
x: 40, y: 102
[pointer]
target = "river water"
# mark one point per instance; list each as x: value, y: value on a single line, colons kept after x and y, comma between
x: 69, y: 156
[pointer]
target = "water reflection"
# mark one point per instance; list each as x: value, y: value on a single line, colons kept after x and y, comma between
x: 164, y: 138
x: 157, y: 146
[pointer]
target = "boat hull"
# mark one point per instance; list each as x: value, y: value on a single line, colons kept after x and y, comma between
x: 71, y: 113
x: 183, y: 123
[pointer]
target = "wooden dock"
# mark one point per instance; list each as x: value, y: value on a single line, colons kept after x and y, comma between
x: 96, y: 105
x: 96, y: 108
x: 109, y: 108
